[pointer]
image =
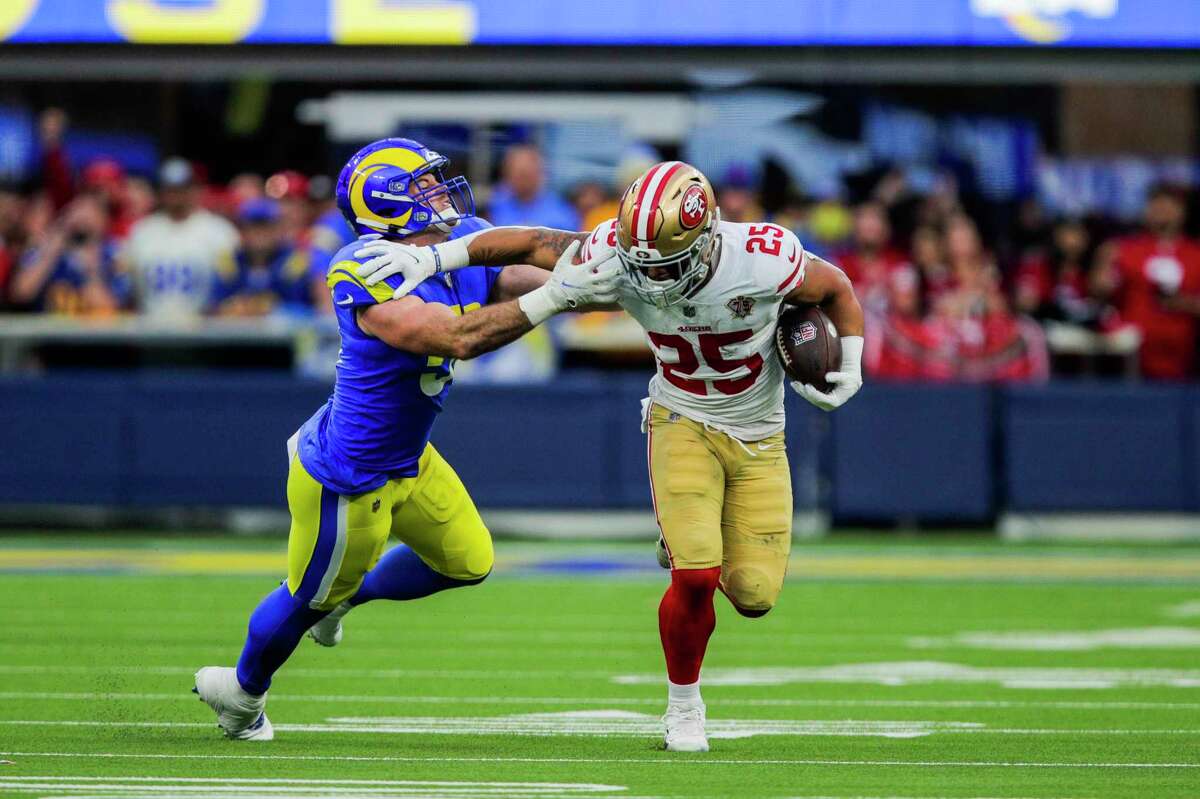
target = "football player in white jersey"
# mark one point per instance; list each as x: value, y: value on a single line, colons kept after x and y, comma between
x: 708, y: 294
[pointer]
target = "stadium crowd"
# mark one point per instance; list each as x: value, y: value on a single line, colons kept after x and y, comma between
x: 947, y: 297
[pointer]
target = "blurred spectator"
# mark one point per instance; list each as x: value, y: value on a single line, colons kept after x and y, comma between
x: 243, y: 188
x: 901, y: 344
x: 57, y: 180
x: 106, y: 179
x: 872, y: 261
x: 290, y: 189
x: 971, y: 265
x: 971, y: 334
x: 74, y: 270
x: 330, y: 232
x: 593, y: 204
x: 830, y: 223
x: 635, y: 163
x: 172, y: 255
x: 1154, y: 279
x: 795, y: 214
x: 1031, y: 231
x: 266, y: 271
x: 139, y: 198
x: 1053, y: 285
x: 522, y: 198
x: 737, y: 196
x: 929, y: 260
x: 12, y: 236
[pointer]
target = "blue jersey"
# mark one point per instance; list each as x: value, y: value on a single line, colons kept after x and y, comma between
x: 331, y: 232
x: 283, y: 279
x: 377, y: 423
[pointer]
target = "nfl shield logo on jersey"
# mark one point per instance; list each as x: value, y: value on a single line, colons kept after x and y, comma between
x: 740, y: 307
x: 803, y: 333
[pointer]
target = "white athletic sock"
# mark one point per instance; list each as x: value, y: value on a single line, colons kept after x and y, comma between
x: 683, y: 694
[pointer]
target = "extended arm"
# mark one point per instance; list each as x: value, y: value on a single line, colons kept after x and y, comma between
x: 827, y: 286
x: 410, y: 324
x: 536, y: 246
x: 430, y: 328
x: 505, y: 246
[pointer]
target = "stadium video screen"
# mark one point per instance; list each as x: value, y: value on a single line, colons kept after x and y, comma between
x: 1003, y: 23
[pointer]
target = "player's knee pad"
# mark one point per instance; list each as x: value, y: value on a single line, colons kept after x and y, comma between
x: 475, y: 563
x: 752, y: 591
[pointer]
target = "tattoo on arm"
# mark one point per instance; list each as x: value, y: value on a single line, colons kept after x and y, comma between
x: 540, y: 246
x: 490, y: 328
x: 555, y: 241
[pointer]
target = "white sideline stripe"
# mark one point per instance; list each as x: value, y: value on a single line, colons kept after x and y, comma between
x: 649, y: 701
x: 347, y: 781
x: 273, y: 787
x: 373, y: 727
x: 117, y: 783
x: 199, y: 788
x: 625, y: 760
x: 319, y: 672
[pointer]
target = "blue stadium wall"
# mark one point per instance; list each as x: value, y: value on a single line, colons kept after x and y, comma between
x: 897, y: 452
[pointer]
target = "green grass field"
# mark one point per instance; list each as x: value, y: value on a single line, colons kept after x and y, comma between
x: 953, y: 669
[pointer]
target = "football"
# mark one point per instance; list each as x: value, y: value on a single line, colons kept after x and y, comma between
x: 808, y: 346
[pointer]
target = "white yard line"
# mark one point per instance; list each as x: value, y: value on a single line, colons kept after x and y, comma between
x: 506, y: 725
x: 297, y: 787
x: 184, y: 696
x: 270, y: 788
x: 322, y: 672
x: 660, y: 760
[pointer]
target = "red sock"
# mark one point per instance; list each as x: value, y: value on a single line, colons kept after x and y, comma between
x: 686, y: 620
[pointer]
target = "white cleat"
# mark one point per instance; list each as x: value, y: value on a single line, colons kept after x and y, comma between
x: 685, y: 728
x: 328, y: 631
x: 239, y: 714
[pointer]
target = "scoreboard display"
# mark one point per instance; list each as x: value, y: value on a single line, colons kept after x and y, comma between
x: 943, y: 23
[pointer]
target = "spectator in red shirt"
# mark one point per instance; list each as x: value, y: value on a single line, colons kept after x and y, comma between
x: 929, y: 261
x: 1054, y: 285
x: 900, y: 344
x: 871, y: 260
x: 12, y: 236
x: 1154, y: 279
x: 106, y: 179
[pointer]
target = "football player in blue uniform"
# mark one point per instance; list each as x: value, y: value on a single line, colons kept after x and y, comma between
x: 362, y: 469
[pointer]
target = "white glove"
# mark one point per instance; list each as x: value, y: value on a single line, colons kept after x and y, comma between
x: 415, y: 264
x: 846, y: 381
x: 593, y: 282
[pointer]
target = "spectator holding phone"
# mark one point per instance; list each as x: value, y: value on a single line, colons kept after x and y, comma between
x: 74, y: 270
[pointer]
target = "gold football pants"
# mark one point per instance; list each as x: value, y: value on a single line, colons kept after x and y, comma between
x: 722, y: 502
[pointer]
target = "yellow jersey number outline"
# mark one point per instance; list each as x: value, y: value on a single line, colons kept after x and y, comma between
x: 433, y: 382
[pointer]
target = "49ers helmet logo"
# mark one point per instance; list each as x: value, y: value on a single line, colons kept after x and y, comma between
x: 693, y: 207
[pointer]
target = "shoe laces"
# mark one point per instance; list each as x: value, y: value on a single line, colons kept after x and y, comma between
x: 685, y: 715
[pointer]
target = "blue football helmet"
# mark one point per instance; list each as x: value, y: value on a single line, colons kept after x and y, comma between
x: 373, y: 190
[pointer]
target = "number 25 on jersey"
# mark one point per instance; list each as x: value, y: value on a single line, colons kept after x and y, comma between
x: 688, y: 362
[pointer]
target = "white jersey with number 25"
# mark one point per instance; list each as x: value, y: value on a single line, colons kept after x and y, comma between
x: 715, y: 353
